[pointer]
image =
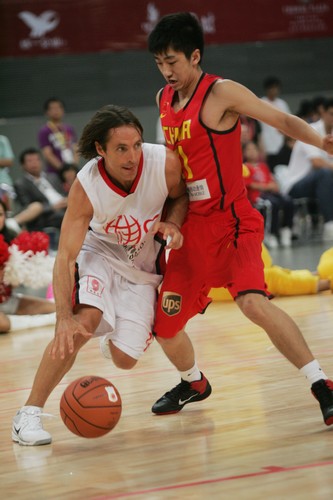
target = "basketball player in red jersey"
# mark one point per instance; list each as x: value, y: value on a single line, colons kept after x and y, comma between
x: 223, y: 233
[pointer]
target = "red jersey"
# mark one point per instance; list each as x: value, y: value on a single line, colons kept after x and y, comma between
x: 258, y: 173
x: 211, y: 159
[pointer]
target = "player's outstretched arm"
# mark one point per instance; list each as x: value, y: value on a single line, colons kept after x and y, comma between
x: 234, y: 97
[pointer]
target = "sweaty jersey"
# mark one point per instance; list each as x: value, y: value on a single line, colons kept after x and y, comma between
x: 121, y: 223
x: 211, y: 159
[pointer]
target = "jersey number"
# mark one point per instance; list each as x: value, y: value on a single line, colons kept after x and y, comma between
x: 186, y: 167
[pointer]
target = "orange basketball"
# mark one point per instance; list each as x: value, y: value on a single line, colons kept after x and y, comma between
x: 90, y: 406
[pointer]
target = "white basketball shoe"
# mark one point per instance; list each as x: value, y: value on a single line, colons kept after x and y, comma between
x: 27, y: 428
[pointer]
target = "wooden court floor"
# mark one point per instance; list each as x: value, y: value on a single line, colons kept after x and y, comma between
x: 260, y: 435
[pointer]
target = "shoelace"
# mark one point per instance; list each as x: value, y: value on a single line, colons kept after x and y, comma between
x: 178, y: 390
x: 32, y: 420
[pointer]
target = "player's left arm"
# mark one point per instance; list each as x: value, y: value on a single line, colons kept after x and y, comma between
x: 176, y: 204
x: 239, y: 99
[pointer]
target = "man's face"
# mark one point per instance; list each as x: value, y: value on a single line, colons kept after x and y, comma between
x: 176, y: 68
x: 33, y: 164
x: 55, y: 111
x: 273, y: 92
x: 122, y: 154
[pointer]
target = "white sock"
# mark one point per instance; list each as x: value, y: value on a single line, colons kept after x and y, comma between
x: 192, y: 374
x: 25, y: 321
x: 313, y: 372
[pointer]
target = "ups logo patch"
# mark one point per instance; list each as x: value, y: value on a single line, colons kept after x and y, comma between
x: 171, y: 303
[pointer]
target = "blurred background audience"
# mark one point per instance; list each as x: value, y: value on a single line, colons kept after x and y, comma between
x: 37, y: 186
x: 57, y: 140
x: 310, y: 172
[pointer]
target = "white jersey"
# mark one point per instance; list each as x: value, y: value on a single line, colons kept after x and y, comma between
x: 121, y: 223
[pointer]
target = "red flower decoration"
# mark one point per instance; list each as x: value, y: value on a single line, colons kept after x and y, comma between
x: 4, y: 254
x: 35, y: 241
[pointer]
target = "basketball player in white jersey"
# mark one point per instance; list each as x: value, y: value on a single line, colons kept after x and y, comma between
x: 106, y: 271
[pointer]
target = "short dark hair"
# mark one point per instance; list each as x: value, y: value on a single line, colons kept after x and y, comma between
x: 181, y: 31
x: 67, y: 167
x: 318, y: 101
x: 50, y: 100
x: 271, y: 81
x: 28, y: 151
x: 97, y: 129
x: 328, y: 103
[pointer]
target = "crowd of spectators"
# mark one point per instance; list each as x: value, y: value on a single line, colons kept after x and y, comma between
x: 36, y: 200
x: 34, y: 203
x: 289, y: 174
x: 279, y: 172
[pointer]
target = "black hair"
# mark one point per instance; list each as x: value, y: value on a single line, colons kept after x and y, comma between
x: 97, y: 129
x: 180, y: 31
x: 28, y: 151
x: 50, y: 100
x: 328, y: 103
x: 305, y: 108
x: 318, y: 101
x: 271, y: 81
x: 66, y: 167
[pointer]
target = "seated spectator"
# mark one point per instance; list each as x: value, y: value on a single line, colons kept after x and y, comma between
x: 261, y: 184
x: 6, y: 230
x: 251, y: 131
x: 57, y: 140
x: 310, y: 172
x: 68, y: 175
x: 17, y: 221
x: 36, y: 186
x: 28, y: 308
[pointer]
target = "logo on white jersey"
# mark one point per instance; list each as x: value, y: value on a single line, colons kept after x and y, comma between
x: 94, y: 286
x: 126, y: 228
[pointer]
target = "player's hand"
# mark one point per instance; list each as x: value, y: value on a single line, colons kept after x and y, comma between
x: 63, y: 342
x: 328, y: 144
x: 171, y: 234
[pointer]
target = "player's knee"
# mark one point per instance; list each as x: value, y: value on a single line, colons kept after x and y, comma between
x: 251, y: 306
x: 122, y: 360
x: 163, y: 341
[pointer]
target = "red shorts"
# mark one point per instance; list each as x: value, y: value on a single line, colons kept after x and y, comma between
x: 221, y: 250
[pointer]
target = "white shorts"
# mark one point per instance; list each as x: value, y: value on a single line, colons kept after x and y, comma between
x: 10, y: 306
x: 128, y: 308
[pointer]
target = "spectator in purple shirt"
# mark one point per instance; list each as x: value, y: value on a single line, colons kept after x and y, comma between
x: 57, y: 140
